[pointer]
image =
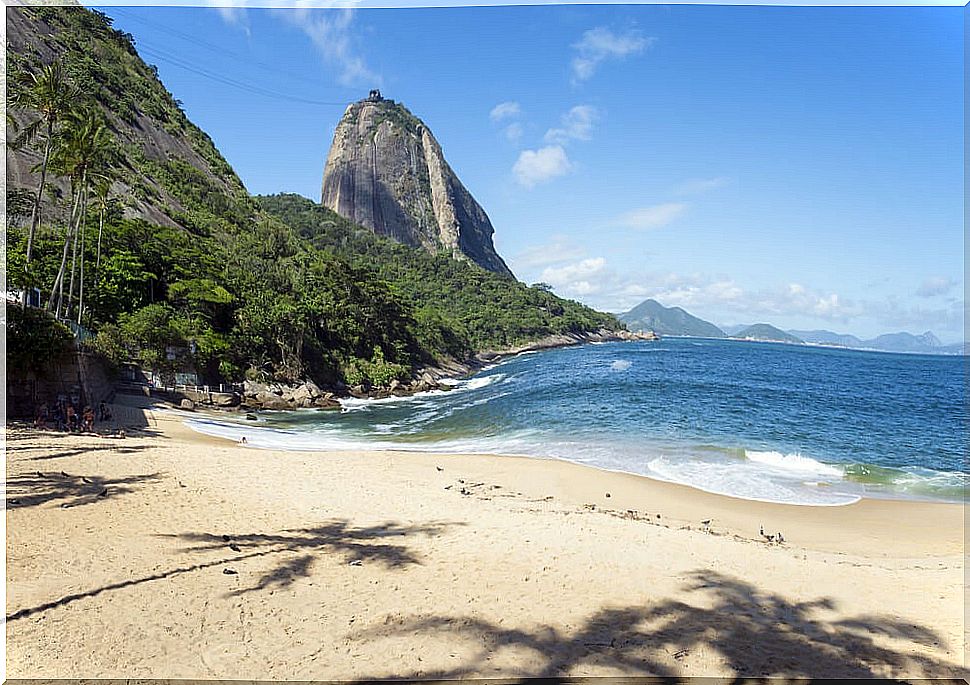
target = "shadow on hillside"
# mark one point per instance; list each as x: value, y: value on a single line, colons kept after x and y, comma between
x: 36, y: 488
x: 756, y: 634
x: 298, y: 549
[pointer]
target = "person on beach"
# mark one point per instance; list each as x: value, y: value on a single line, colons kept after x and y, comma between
x: 103, y: 412
x: 58, y: 417
x: 70, y: 418
x: 42, y: 415
x: 87, y: 425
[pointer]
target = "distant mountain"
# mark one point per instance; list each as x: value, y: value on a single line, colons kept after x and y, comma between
x: 653, y: 316
x: 905, y: 342
x: 764, y: 331
x: 956, y: 348
x: 828, y: 338
x: 734, y: 329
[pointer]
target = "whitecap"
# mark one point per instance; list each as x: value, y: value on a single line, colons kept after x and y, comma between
x: 793, y: 462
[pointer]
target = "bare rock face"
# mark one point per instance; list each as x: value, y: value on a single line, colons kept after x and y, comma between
x: 386, y: 171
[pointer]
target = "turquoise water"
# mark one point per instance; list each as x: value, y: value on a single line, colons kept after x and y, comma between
x: 774, y: 422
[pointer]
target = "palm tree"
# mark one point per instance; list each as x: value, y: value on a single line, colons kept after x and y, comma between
x: 84, y: 148
x: 102, y: 193
x: 49, y: 93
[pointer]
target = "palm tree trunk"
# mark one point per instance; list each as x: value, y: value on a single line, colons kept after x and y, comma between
x: 70, y: 289
x: 77, y: 230
x: 80, y: 305
x: 35, y: 213
x: 97, y: 263
x: 57, y: 290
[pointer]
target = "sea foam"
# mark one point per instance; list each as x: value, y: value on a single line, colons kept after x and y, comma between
x: 793, y: 462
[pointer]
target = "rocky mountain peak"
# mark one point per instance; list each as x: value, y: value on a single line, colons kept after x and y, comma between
x: 387, y: 172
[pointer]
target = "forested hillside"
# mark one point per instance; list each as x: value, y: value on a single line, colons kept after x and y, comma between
x: 144, y: 234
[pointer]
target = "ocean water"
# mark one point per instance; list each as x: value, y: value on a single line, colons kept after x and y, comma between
x: 772, y: 422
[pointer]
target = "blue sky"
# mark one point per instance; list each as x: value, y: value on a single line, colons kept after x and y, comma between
x: 800, y: 166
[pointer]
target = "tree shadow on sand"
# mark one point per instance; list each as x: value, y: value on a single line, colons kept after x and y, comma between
x: 38, y: 488
x: 357, y: 545
x: 298, y: 551
x: 756, y: 634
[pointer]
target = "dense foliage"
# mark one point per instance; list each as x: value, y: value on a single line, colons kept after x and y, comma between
x: 472, y: 308
x: 35, y: 340
x: 276, y: 287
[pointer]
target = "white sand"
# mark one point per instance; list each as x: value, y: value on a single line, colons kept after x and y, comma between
x: 354, y: 565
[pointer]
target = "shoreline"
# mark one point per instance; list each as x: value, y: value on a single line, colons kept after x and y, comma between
x: 205, y: 559
x: 219, y: 417
x: 917, y: 517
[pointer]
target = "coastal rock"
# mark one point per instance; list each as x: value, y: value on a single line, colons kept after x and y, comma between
x: 326, y: 402
x: 224, y: 399
x: 274, y: 402
x: 187, y: 404
x: 386, y: 171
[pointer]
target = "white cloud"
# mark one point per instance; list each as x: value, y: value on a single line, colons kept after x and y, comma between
x: 717, y: 296
x: 559, y: 249
x: 576, y: 124
x: 895, y: 315
x: 538, y: 166
x: 234, y: 16
x: 505, y: 110
x: 600, y: 44
x: 654, y: 216
x: 936, y: 285
x: 586, y: 277
x: 331, y: 32
x: 697, y: 186
x: 513, y: 132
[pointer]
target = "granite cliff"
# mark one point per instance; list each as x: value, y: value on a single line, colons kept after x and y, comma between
x: 387, y: 172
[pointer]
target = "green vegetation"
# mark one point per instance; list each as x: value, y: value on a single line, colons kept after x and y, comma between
x: 233, y: 286
x: 476, y: 308
x: 34, y: 340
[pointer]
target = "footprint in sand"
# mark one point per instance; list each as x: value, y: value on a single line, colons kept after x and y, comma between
x: 222, y: 659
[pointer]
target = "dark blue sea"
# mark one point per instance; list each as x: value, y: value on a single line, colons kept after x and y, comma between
x: 774, y: 422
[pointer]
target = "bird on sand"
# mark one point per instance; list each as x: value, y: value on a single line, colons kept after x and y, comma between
x: 439, y: 468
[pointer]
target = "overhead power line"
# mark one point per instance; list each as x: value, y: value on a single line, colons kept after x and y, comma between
x: 167, y: 58
x: 247, y: 61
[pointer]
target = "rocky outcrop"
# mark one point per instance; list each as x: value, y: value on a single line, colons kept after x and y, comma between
x: 454, y: 369
x: 278, y: 396
x: 387, y: 172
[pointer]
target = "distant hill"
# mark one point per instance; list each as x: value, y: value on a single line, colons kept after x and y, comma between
x: 734, y: 329
x: 905, y: 342
x: 827, y: 338
x: 956, y: 348
x: 653, y: 316
x: 764, y: 331
x: 927, y: 343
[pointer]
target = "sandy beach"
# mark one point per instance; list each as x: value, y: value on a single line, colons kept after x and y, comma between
x: 169, y: 554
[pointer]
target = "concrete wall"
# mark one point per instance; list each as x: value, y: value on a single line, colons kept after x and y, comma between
x: 76, y: 375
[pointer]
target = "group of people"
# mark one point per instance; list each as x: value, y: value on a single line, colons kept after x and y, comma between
x: 66, y: 416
